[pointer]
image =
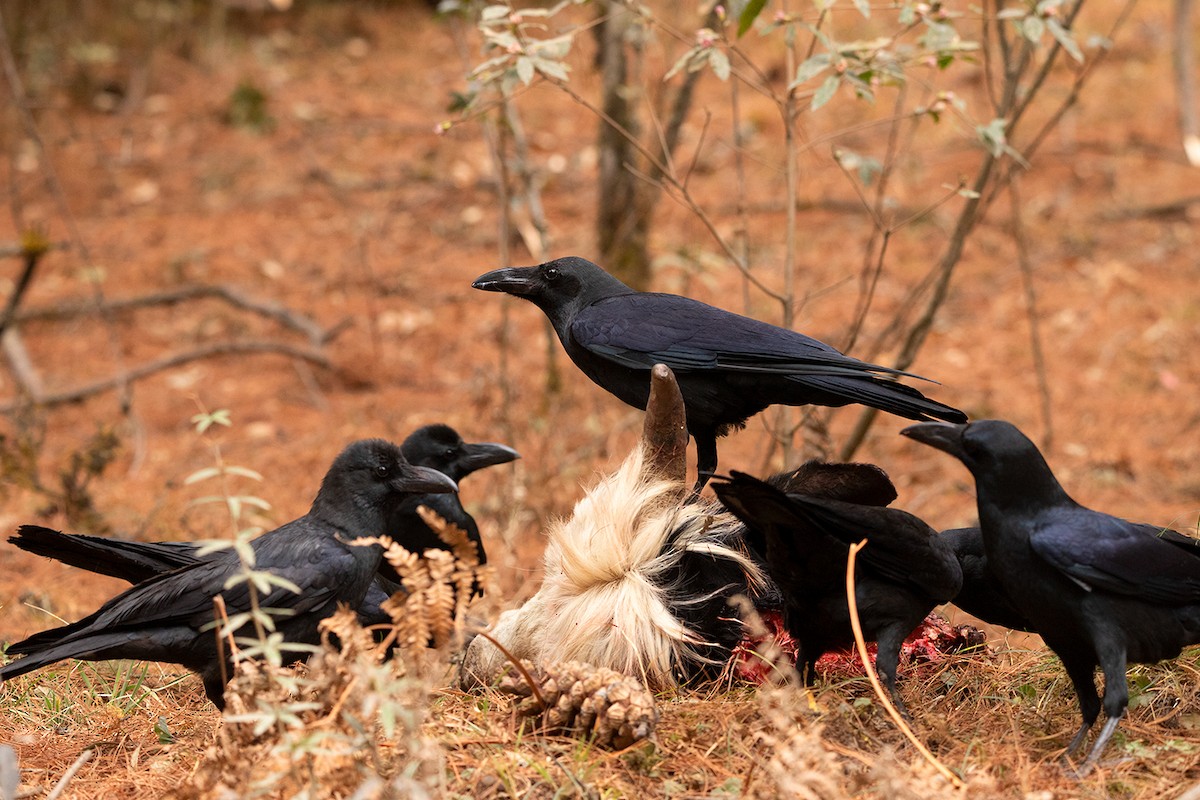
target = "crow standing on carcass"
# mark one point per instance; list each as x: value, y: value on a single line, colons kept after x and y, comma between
x: 729, y: 367
x: 436, y: 446
x: 1101, y: 591
x: 905, y: 570
x: 639, y: 578
x: 169, y: 617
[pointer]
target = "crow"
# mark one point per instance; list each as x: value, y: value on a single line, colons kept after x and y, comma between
x: 905, y: 570
x: 436, y: 446
x: 168, y: 616
x: 1101, y: 591
x: 729, y: 367
x: 981, y: 594
x: 440, y: 447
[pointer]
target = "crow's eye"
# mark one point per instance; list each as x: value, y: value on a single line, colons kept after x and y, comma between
x: 450, y: 452
x: 552, y: 274
x: 383, y: 470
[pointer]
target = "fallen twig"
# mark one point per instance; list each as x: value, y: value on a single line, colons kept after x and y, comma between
x: 1172, y: 208
x: 317, y: 335
x: 168, y: 362
x: 886, y: 701
x: 61, y: 786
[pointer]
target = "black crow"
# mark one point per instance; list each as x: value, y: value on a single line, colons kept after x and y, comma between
x: 168, y: 617
x: 981, y: 594
x: 864, y: 484
x: 1101, y: 591
x: 905, y: 570
x: 438, y: 447
x: 729, y: 367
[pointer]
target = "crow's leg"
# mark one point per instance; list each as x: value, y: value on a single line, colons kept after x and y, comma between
x: 887, y: 662
x: 214, y: 684
x: 1116, y: 697
x: 1080, y: 672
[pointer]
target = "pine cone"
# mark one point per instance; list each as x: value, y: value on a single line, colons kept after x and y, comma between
x: 582, y: 700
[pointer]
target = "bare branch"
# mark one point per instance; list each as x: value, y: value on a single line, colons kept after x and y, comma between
x: 1035, y: 337
x: 169, y: 362
x: 33, y: 246
x: 317, y: 335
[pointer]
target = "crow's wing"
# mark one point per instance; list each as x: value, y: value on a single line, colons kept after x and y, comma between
x: 798, y: 560
x: 900, y: 547
x: 643, y: 329
x: 1099, y: 551
x: 317, y: 564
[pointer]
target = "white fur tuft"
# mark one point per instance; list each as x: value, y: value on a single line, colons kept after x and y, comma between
x: 603, y: 598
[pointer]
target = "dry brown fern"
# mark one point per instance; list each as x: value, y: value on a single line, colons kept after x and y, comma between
x: 583, y: 700
x: 336, y: 726
x: 438, y: 586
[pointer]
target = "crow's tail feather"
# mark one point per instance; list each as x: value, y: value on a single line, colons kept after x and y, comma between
x: 890, y: 396
x: 129, y: 561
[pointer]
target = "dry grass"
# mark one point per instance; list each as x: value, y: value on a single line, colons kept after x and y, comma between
x: 999, y: 720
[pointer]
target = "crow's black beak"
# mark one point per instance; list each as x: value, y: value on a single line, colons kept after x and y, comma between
x: 484, y: 454
x: 943, y: 436
x: 517, y: 281
x: 422, y: 480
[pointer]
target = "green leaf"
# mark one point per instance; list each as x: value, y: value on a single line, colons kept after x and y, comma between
x: 748, y: 15
x: 1032, y: 28
x: 205, y: 421
x: 683, y: 61
x: 244, y: 472
x: 551, y: 69
x: 525, y: 69
x: 864, y: 8
x: 556, y: 48
x: 491, y: 13
x: 719, y: 63
x: 210, y: 546
x: 811, y: 68
x: 201, y: 475
x: 826, y: 92
x: 992, y: 136
x: 163, y: 731
x: 1064, y: 38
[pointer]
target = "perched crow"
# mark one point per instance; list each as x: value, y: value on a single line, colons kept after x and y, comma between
x: 167, y: 617
x: 981, y: 594
x: 729, y: 367
x: 905, y: 570
x: 438, y: 447
x: 1101, y: 591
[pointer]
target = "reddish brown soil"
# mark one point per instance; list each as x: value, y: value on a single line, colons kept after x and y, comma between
x: 353, y: 209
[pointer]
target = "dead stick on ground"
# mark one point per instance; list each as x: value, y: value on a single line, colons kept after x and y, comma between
x: 231, y: 296
x: 167, y: 362
x: 516, y: 662
x: 61, y: 786
x: 883, y: 698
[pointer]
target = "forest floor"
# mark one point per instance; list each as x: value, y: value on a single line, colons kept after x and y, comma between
x: 349, y: 209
